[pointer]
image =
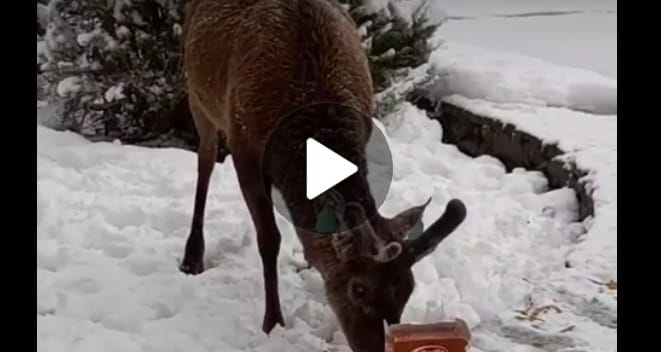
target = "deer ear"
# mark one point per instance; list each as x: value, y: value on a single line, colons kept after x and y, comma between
x: 388, y: 252
x: 361, y: 240
x: 408, y: 224
x: 454, y: 215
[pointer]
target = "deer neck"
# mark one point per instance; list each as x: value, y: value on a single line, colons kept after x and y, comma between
x: 340, y: 128
x: 317, y: 248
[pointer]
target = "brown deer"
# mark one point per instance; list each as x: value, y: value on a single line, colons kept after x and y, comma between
x: 248, y: 65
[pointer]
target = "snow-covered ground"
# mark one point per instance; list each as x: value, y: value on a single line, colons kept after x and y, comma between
x: 581, y: 34
x: 112, y: 221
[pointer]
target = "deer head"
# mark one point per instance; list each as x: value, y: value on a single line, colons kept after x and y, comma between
x: 373, y: 280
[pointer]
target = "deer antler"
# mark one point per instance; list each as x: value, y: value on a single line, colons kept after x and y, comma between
x: 418, y: 248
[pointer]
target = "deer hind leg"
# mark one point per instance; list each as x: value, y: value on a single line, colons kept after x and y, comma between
x: 257, y: 194
x: 207, y: 151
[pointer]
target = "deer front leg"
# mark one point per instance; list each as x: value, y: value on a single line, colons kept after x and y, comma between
x: 207, y: 150
x: 257, y: 194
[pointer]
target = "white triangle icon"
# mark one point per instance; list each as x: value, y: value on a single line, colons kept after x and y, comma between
x: 324, y: 168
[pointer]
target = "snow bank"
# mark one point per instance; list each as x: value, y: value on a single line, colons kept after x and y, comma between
x: 591, y: 143
x: 501, y: 77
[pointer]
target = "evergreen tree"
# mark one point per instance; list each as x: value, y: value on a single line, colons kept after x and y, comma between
x: 394, y: 43
x: 113, y: 67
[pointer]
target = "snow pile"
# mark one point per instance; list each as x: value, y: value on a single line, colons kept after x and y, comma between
x: 479, y: 73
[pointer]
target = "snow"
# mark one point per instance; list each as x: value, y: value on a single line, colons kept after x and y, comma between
x: 480, y: 73
x: 114, y: 93
x: 42, y: 14
x: 581, y: 34
x: 479, y: 8
x: 124, y: 211
x: 42, y: 52
x: 123, y: 31
x: 84, y: 38
x: 68, y: 86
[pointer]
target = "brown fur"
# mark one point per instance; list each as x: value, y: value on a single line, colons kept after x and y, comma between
x: 259, y: 72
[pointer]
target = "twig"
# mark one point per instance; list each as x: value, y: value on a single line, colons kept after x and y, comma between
x: 531, y: 313
x: 104, y: 106
x: 74, y: 70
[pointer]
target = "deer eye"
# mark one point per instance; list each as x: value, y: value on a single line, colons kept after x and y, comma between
x: 358, y: 289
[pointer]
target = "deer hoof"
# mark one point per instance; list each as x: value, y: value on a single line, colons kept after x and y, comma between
x: 270, y: 320
x: 192, y: 268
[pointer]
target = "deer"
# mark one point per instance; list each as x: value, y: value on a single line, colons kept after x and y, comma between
x: 247, y: 65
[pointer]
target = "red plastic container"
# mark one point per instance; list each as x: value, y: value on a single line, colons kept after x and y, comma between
x: 451, y: 336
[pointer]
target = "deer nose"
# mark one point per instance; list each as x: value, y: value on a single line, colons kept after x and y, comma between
x: 390, y: 319
x: 376, y: 348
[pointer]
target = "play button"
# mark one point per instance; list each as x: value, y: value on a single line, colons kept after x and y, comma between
x: 321, y: 150
x: 324, y: 168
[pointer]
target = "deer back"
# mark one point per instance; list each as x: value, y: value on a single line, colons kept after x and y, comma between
x: 248, y: 63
